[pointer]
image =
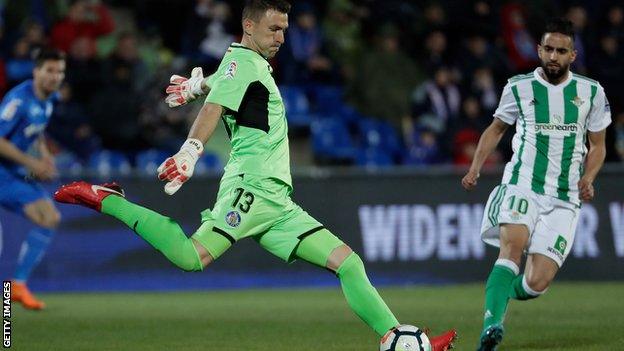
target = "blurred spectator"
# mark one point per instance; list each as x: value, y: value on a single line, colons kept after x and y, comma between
x: 608, y: 67
x: 209, y: 32
x: 618, y: 126
x: 434, y: 19
x: 472, y: 116
x: 165, y: 128
x: 422, y: 148
x: 83, y: 71
x: 480, y: 54
x: 465, y: 144
x: 19, y: 67
x: 126, y: 56
x: 436, y: 102
x: 3, y: 78
x: 436, y: 53
x: 342, y: 30
x: 69, y: 125
x: 578, y: 16
x: 302, y: 59
x: 85, y: 19
x: 521, y: 47
x: 42, y: 12
x: 115, y: 112
x: 384, y: 80
x: 478, y: 17
x: 35, y: 35
x: 483, y: 87
x: 615, y: 23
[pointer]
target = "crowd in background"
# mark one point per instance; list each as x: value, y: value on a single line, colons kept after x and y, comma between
x: 430, y: 72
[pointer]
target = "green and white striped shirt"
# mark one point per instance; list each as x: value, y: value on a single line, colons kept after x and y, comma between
x: 552, y: 120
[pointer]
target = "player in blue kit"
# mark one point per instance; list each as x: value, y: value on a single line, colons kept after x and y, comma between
x: 24, y: 115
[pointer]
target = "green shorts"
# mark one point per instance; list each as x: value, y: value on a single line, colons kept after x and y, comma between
x: 257, y: 207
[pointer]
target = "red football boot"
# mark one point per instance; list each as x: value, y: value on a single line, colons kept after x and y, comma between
x: 443, y: 342
x: 88, y: 195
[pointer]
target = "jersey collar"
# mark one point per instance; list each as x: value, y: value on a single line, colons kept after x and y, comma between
x: 538, y: 75
x: 241, y: 46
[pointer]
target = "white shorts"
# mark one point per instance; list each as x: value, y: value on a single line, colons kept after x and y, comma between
x: 551, y: 222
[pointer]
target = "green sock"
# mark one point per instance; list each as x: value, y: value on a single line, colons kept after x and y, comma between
x: 164, y: 234
x: 518, y: 292
x: 497, y: 291
x: 363, y: 297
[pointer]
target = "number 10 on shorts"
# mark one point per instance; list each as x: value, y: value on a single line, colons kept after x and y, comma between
x: 521, y: 206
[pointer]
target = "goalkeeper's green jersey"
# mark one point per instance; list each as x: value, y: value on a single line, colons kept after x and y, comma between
x: 254, y: 117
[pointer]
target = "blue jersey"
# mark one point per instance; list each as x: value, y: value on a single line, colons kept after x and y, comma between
x: 23, y: 117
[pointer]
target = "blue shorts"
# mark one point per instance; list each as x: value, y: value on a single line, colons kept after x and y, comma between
x: 17, y: 192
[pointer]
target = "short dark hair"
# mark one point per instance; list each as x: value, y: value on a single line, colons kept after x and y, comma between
x: 560, y: 25
x: 254, y: 9
x: 47, y: 54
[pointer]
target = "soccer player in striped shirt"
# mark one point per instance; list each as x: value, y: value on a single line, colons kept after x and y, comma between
x: 536, y: 207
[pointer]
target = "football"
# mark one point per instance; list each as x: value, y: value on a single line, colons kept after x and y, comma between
x: 405, y: 338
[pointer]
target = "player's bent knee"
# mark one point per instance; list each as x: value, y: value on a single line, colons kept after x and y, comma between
x: 204, y: 256
x: 189, y: 264
x: 537, y: 284
x: 186, y: 257
x: 352, y: 264
x: 338, y: 256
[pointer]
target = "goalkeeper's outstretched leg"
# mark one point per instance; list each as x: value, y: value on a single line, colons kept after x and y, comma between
x: 164, y: 234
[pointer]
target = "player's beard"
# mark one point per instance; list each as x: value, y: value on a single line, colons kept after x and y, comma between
x: 553, y: 74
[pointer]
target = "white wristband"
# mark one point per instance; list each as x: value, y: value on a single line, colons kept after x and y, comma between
x: 196, y: 88
x: 194, y: 147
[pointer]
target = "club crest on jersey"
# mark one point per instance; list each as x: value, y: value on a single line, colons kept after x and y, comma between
x: 561, y: 244
x: 230, y: 71
x: 577, y: 101
x: 233, y: 218
x: 557, y: 119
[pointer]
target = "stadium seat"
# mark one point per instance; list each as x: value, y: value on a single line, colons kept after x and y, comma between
x: 391, y: 139
x: 373, y: 158
x: 370, y: 133
x: 208, y: 163
x: 148, y: 161
x: 106, y: 162
x: 331, y: 141
x: 379, y: 134
x: 68, y: 164
x: 328, y: 99
x: 297, y: 107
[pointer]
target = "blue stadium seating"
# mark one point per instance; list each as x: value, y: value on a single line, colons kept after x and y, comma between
x: 107, y: 162
x: 328, y: 99
x: 208, y: 163
x: 331, y: 141
x: 297, y: 107
x: 373, y: 158
x: 380, y: 135
x: 148, y: 161
x: 68, y: 163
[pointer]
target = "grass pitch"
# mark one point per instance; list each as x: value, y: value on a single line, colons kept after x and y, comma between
x: 579, y: 316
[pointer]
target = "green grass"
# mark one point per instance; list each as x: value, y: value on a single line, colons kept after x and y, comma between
x: 587, y: 316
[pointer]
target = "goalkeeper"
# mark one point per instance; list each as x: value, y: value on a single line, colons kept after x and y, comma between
x: 254, y: 194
